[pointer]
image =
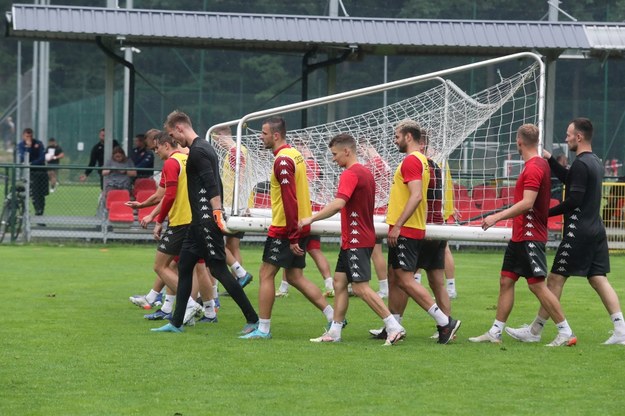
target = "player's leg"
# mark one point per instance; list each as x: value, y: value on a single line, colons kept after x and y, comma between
x: 450, y: 273
x: 381, y: 271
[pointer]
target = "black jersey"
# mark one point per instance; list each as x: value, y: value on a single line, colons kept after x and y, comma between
x: 586, y: 176
x: 203, y: 180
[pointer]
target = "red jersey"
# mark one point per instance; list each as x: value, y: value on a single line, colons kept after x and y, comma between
x: 532, y: 226
x: 357, y: 188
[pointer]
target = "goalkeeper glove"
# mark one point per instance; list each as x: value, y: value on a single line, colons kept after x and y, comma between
x: 220, y: 219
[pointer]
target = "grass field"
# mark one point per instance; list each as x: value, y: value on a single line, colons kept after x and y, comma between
x: 72, y: 344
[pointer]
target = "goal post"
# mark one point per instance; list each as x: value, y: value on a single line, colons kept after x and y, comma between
x: 472, y: 135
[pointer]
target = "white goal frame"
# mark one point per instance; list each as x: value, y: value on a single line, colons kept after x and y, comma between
x: 332, y: 227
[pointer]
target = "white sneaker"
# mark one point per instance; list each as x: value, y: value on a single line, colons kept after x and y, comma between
x: 394, y: 337
x: 326, y: 337
x: 329, y: 293
x: 191, y: 313
x: 523, y: 334
x: 487, y: 337
x: 452, y: 293
x: 615, y: 339
x: 435, y: 336
x: 140, y: 301
x: 280, y: 294
x: 563, y: 341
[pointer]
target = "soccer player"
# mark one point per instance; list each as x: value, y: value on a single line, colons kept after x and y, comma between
x: 432, y: 255
x: 406, y: 217
x: 173, y: 202
x: 584, y: 247
x: 525, y: 254
x: 204, y: 237
x: 355, y: 199
x: 285, y: 244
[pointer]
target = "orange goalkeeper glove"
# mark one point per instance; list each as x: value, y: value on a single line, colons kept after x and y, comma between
x: 220, y: 219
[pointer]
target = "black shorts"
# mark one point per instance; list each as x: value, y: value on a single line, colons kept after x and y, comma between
x: 206, y: 241
x: 278, y: 252
x: 432, y: 255
x: 524, y: 258
x: 172, y: 239
x: 238, y: 235
x: 585, y: 257
x: 355, y: 263
x: 405, y: 254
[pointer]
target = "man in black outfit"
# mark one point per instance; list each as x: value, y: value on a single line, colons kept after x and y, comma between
x: 96, y: 158
x: 205, y: 235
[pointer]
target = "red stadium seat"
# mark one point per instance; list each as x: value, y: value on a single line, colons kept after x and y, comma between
x: 262, y: 200
x: 142, y: 184
x: 116, y: 195
x: 480, y: 193
x: 460, y: 191
x: 143, y: 194
x: 120, y: 212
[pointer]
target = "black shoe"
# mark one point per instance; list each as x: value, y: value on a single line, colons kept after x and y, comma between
x: 447, y: 332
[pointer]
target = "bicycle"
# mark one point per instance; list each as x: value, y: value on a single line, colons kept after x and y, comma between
x: 13, y: 212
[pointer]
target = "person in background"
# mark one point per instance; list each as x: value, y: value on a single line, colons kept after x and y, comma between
x: 96, y: 158
x: 38, y: 176
x: 119, y: 172
x: 54, y: 153
x: 142, y: 157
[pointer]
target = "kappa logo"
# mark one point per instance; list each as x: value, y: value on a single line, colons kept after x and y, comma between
x: 353, y: 214
x: 355, y: 266
x: 401, y: 255
x: 401, y: 246
x: 212, y: 252
x: 202, y: 191
x: 353, y: 257
x: 166, y: 239
x: 285, y: 181
x: 566, y: 245
x: 203, y: 200
x: 354, y: 241
x: 353, y: 223
x: 570, y: 234
x: 574, y: 217
x: 274, y: 258
x: 204, y: 208
x: 284, y: 172
x: 354, y: 232
x: 355, y: 275
x: 170, y: 232
x: 277, y: 242
x: 537, y: 270
x: 205, y: 229
x: 561, y: 269
x: 275, y: 250
x: 283, y: 163
x: 205, y: 216
x: 529, y: 234
x: 577, y: 209
x: 531, y: 245
x: 529, y: 225
x: 532, y: 254
x: 402, y: 263
x: 572, y: 226
x: 209, y: 245
x: 562, y: 261
x: 565, y: 254
x: 533, y: 262
x: 529, y: 217
x: 353, y: 250
x: 162, y: 246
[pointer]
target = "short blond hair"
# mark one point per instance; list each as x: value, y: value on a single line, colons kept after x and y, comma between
x: 409, y: 126
x: 176, y: 117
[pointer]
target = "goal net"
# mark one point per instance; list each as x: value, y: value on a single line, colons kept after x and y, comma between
x: 472, y: 136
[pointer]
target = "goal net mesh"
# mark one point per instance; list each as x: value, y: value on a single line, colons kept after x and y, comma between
x: 472, y: 136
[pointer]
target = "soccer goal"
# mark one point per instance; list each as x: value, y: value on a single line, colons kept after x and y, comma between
x: 470, y: 113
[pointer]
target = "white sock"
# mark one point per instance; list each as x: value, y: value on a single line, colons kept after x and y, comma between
x: 151, y: 297
x: 564, y: 328
x: 497, y: 328
x: 538, y: 325
x: 391, y: 324
x: 619, y: 324
x: 284, y: 286
x: 329, y: 313
x: 168, y: 305
x: 398, y: 317
x: 329, y: 283
x: 264, y: 325
x: 191, y: 302
x: 438, y: 315
x: 383, y: 285
x: 209, y: 309
x: 417, y: 277
x: 238, y: 269
x: 451, y: 283
x: 215, y: 291
x: 335, y: 329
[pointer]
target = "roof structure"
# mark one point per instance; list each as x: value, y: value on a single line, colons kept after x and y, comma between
x: 261, y: 32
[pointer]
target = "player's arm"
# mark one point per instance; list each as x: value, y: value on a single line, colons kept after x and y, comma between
x: 557, y: 170
x: 416, y: 196
x: 576, y: 191
x: 284, y: 171
x: 152, y: 200
x: 521, y: 207
x: 326, y: 212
